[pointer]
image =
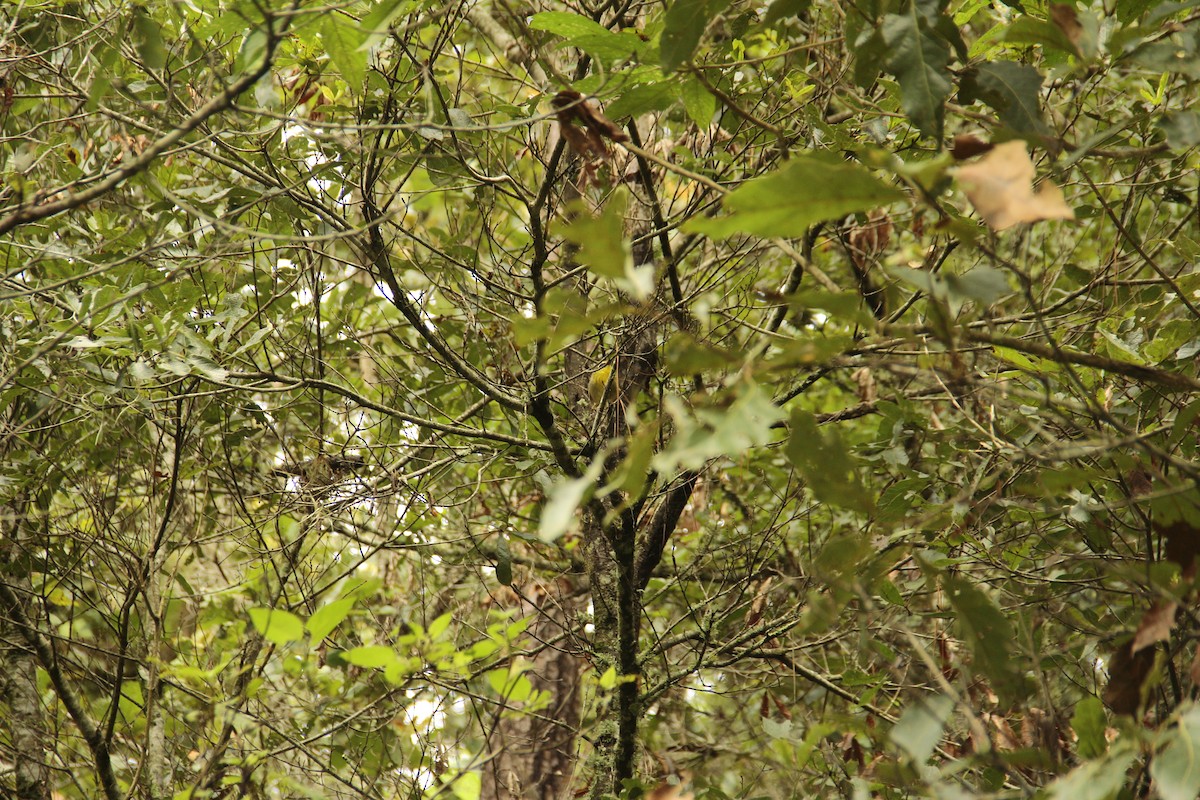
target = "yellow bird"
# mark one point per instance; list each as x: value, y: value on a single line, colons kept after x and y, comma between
x: 598, y: 383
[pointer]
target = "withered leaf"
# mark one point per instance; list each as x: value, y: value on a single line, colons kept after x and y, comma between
x: 1127, y: 672
x: 1155, y: 626
x: 967, y: 145
x: 571, y: 107
x: 1183, y: 545
x: 1066, y: 20
x: 1000, y: 186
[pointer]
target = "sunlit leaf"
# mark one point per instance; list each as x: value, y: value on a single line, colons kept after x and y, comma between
x: 328, y: 617
x: 810, y: 189
x: 276, y: 625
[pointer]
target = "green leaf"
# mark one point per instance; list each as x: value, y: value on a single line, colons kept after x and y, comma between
x: 1176, y: 770
x: 344, y: 44
x: 698, y: 102
x: 147, y: 37
x: 990, y: 636
x: 1013, y: 90
x: 643, y: 99
x: 503, y: 561
x: 567, y: 25
x: 559, y: 511
x: 372, y: 656
x: 985, y: 284
x: 276, y: 625
x: 747, y: 422
x: 785, y: 9
x: 439, y: 626
x: 250, y: 55
x: 919, y: 729
x: 375, y: 24
x: 811, y: 188
x: 918, y: 57
x: 1031, y: 30
x: 1182, y: 129
x: 602, y: 245
x: 328, y: 617
x: 1099, y: 779
x: 1089, y: 724
x: 683, y: 26
x: 829, y: 471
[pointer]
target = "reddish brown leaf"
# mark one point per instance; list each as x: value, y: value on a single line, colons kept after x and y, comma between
x: 966, y: 145
x: 571, y: 106
x: 1066, y: 20
x: 1194, y: 670
x: 1127, y: 672
x: 1155, y: 626
x: 1183, y: 545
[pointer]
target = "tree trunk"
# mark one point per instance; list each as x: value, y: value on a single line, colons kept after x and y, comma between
x: 534, y: 754
x: 25, y: 723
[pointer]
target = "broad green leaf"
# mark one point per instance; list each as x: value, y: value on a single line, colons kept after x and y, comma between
x: 1013, y: 90
x: 561, y: 506
x: 1182, y: 129
x: 1089, y: 724
x: 250, y: 55
x: 344, y: 42
x: 985, y: 284
x: 918, y: 57
x: 1098, y: 779
x: 375, y: 24
x: 990, y: 636
x: 1031, y: 30
x: 747, y: 422
x: 439, y: 626
x: 148, y: 39
x: 785, y: 9
x: 276, y: 625
x: 686, y: 355
x: 683, y: 26
x: 372, y: 656
x: 919, y: 729
x: 698, y: 102
x: 643, y: 99
x: 811, y: 188
x: 1176, y: 769
x: 328, y: 617
x: 829, y: 470
x: 467, y: 786
x: 630, y: 476
x: 567, y: 25
x: 602, y: 245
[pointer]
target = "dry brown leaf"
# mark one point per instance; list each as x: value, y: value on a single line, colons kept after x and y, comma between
x: 669, y: 791
x: 865, y: 382
x: 1000, y: 186
x: 1155, y: 626
x: 1126, y: 673
x: 1066, y: 20
x: 967, y: 146
x: 1194, y: 670
x: 1183, y: 545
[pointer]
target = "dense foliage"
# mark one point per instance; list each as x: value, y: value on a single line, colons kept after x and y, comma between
x: 504, y: 399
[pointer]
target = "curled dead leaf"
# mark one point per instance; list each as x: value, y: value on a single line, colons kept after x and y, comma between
x: 1155, y: 626
x: 1000, y: 186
